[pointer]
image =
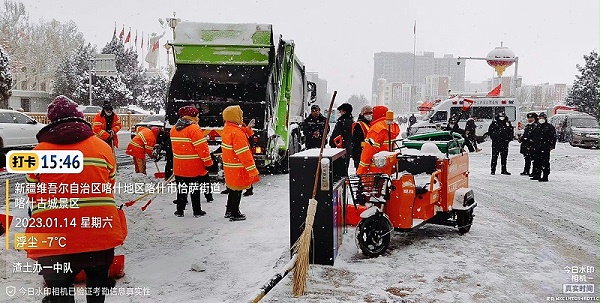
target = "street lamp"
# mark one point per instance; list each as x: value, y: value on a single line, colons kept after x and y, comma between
x: 499, y: 58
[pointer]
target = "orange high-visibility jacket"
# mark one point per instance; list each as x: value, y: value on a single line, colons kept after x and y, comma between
x: 238, y: 162
x: 90, y: 222
x: 378, y: 134
x: 191, y: 155
x: 142, y: 144
x: 99, y: 128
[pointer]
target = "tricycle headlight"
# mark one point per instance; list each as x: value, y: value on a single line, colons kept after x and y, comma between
x: 380, y: 161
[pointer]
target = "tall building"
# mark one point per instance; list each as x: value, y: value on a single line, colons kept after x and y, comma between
x: 398, y: 67
x: 436, y: 87
x: 323, y: 97
x: 542, y: 96
x: 395, y: 95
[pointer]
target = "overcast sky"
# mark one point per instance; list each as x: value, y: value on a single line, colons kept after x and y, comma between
x: 338, y: 38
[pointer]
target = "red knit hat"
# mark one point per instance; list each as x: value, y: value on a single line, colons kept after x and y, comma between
x: 379, y: 112
x: 187, y: 111
x: 63, y: 107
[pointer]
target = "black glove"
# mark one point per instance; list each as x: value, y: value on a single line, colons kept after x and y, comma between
x: 156, y: 152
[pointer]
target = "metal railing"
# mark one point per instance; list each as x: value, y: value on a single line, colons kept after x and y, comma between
x: 127, y: 120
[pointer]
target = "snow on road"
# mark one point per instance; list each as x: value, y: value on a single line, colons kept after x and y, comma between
x: 524, y: 235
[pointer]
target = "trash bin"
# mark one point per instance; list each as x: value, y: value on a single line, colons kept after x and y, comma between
x: 331, y: 197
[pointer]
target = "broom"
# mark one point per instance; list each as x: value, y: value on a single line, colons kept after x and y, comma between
x: 302, y: 245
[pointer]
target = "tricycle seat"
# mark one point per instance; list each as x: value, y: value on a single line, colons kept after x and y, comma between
x: 417, y: 164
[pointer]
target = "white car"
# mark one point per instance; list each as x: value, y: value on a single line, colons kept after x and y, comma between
x: 17, y: 131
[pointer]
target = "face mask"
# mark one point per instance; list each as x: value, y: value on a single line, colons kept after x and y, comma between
x: 368, y: 117
x: 451, y: 125
x: 502, y: 118
x: 542, y: 120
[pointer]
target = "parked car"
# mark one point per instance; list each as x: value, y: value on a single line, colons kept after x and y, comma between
x: 581, y: 130
x: 149, y: 121
x: 89, y: 109
x: 17, y: 131
x: 558, y: 122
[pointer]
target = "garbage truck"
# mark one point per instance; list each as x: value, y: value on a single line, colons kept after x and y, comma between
x: 219, y: 65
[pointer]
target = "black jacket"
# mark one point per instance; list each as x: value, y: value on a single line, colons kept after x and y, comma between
x: 358, y: 136
x: 470, y: 129
x: 527, y: 139
x: 343, y: 127
x: 501, y: 132
x: 544, y: 137
x: 311, y: 125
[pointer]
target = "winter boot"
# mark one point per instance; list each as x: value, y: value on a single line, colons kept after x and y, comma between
x: 505, y: 172
x: 249, y: 192
x: 199, y: 214
x: 178, y: 213
x: 493, y: 171
x: 209, y: 197
x: 534, y: 177
x: 225, y: 191
x: 227, y: 214
x: 524, y: 173
x: 544, y: 178
x: 237, y: 217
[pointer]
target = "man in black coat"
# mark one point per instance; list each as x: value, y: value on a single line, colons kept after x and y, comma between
x: 313, y: 127
x: 343, y: 130
x: 527, y: 142
x: 453, y: 127
x: 501, y: 132
x: 544, y: 140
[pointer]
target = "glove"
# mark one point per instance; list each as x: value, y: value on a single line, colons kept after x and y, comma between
x: 251, y: 123
x: 156, y: 153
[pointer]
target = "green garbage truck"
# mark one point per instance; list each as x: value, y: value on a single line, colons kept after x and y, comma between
x: 218, y: 65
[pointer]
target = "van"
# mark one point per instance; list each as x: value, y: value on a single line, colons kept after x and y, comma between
x: 580, y: 130
x: 483, y: 110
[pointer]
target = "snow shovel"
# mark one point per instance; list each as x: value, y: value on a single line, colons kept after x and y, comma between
x: 171, y: 178
x: 130, y: 203
x: 159, y: 174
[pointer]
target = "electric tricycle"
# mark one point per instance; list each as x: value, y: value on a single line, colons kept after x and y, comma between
x: 417, y: 188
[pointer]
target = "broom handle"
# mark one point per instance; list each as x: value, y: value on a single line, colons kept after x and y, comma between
x: 323, y: 140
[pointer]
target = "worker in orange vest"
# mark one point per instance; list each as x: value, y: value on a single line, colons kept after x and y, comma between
x: 247, y: 129
x: 191, y: 158
x: 359, y: 132
x: 378, y: 139
x: 141, y: 145
x: 106, y: 125
x: 238, y: 163
x: 89, y: 220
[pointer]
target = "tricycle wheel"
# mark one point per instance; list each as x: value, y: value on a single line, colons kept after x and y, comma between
x: 464, y: 220
x: 373, y: 235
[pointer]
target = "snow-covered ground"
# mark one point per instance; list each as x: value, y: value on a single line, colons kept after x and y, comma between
x: 524, y: 235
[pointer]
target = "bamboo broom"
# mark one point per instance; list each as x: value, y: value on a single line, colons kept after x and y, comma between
x: 302, y: 246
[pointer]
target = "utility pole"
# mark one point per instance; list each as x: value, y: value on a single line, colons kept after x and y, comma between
x: 91, y: 70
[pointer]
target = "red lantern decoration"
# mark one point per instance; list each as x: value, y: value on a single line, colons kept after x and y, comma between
x: 500, y: 52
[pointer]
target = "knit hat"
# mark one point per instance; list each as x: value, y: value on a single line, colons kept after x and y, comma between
x: 189, y: 111
x: 347, y: 107
x: 233, y: 114
x: 542, y: 114
x: 379, y: 112
x: 315, y: 107
x: 63, y: 107
x: 107, y: 106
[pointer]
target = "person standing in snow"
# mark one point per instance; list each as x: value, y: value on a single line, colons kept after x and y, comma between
x: 247, y: 129
x: 453, y: 127
x: 527, y: 142
x: 87, y: 249
x: 238, y: 163
x: 360, y: 128
x: 106, y: 125
x: 191, y: 158
x: 378, y: 139
x: 313, y: 127
x: 501, y: 133
x: 141, y: 145
x: 342, y: 132
x: 544, y: 140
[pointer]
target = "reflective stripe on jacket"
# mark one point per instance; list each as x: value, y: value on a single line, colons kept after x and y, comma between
x: 90, y: 221
x: 142, y: 144
x: 191, y: 155
x: 99, y: 128
x: 238, y: 163
x: 378, y: 134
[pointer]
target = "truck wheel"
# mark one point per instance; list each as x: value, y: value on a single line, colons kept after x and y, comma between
x: 464, y: 220
x: 373, y: 235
